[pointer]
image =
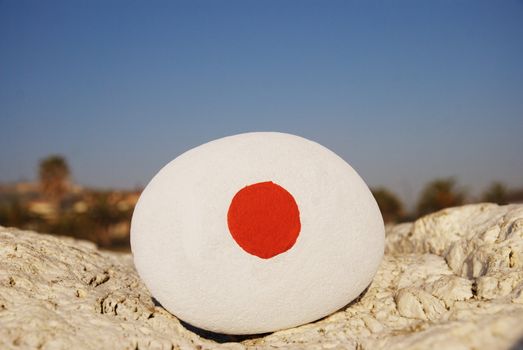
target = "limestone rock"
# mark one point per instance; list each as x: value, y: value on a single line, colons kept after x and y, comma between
x: 452, y: 279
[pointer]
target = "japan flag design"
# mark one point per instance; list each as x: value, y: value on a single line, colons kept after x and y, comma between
x: 256, y: 232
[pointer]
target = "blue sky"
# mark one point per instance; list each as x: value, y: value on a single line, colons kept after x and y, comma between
x: 405, y: 91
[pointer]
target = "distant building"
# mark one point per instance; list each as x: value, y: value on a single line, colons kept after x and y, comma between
x: 80, y: 207
x: 26, y: 187
x: 43, y: 208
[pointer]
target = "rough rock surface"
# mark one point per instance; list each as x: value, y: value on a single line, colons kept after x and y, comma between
x: 451, y: 280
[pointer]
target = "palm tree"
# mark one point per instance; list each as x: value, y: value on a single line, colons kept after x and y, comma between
x: 390, y: 206
x: 54, y: 175
x: 440, y: 194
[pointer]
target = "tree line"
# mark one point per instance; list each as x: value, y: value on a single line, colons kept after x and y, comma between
x: 103, y: 216
x: 440, y: 194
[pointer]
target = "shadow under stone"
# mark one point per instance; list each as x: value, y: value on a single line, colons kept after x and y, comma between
x: 220, y: 337
x: 228, y: 338
x: 518, y: 345
x: 217, y: 337
x: 358, y: 298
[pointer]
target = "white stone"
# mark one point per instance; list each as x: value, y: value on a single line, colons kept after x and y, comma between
x: 58, y: 293
x: 185, y: 254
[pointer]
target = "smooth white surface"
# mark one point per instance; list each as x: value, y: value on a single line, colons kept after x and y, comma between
x: 188, y: 259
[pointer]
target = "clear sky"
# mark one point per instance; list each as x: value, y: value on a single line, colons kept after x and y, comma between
x: 405, y: 91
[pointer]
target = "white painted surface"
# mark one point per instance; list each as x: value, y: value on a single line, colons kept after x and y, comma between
x: 188, y: 259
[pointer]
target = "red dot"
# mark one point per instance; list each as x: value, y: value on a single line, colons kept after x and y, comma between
x: 264, y: 219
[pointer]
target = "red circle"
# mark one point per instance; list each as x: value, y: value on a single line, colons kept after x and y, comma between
x: 264, y: 219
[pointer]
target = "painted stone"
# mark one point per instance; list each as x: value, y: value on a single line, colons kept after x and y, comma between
x: 256, y: 232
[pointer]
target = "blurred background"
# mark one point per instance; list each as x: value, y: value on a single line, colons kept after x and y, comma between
x: 424, y: 99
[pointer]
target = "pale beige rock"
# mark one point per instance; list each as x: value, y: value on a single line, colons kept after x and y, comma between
x: 451, y: 280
